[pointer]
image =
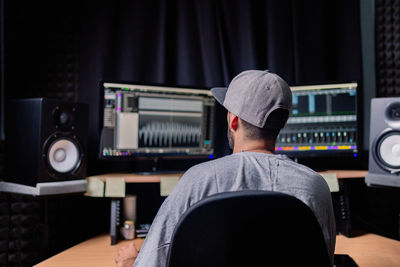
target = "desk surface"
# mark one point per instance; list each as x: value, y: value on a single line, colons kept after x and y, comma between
x: 368, y: 250
x: 96, y: 251
x: 344, y: 174
x: 136, y: 177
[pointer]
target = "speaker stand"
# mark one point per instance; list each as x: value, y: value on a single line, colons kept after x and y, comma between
x: 45, y: 189
x: 372, y: 179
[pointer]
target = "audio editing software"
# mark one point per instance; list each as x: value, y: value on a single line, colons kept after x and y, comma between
x: 323, y: 118
x: 142, y: 119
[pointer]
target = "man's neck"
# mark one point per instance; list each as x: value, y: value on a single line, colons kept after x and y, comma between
x: 262, y: 146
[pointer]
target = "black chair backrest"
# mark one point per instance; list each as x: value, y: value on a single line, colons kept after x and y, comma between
x: 248, y: 228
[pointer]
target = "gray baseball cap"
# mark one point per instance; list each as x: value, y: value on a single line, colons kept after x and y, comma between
x: 253, y: 94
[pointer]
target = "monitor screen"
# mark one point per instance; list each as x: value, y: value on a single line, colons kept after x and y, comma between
x: 323, y: 121
x: 141, y: 120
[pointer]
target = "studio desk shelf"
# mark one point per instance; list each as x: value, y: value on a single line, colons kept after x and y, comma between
x: 113, y: 186
x: 45, y: 189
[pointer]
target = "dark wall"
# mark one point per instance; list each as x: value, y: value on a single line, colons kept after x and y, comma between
x: 33, y: 229
x: 41, y: 49
x: 387, y: 46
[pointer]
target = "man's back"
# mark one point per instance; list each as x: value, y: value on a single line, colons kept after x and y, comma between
x: 240, y: 171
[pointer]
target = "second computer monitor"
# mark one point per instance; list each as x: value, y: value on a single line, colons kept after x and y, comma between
x: 323, y: 121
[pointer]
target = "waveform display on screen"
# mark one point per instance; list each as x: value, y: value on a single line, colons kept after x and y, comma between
x: 169, y: 134
x: 152, y: 121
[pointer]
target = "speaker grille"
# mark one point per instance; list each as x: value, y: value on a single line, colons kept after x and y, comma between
x: 63, y: 155
x: 387, y: 151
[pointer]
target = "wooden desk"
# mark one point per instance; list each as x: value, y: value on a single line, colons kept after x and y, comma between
x: 136, y: 178
x: 93, y: 252
x: 345, y: 174
x: 368, y: 250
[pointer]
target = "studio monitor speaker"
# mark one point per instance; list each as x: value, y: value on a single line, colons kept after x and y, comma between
x: 45, y: 141
x: 384, y: 148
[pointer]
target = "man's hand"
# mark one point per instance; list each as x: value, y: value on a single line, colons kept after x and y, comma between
x: 126, y: 256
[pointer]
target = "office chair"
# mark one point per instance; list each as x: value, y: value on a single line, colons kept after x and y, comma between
x: 248, y: 228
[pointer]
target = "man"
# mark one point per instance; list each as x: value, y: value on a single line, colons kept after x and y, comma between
x: 258, y: 104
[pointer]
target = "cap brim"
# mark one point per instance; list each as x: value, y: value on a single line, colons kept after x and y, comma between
x: 219, y: 94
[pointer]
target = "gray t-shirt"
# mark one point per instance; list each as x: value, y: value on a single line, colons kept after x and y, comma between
x: 239, y: 171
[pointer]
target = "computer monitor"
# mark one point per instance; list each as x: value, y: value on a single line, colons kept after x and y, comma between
x: 323, y: 121
x: 155, y: 121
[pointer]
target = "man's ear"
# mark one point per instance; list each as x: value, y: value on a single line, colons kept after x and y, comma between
x: 233, y: 122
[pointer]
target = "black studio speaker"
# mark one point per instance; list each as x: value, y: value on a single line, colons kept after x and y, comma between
x: 45, y: 141
x: 384, y: 148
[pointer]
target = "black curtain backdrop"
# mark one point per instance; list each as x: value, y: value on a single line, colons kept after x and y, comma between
x: 205, y: 43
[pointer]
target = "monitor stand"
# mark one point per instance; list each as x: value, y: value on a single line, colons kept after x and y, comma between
x: 155, y: 170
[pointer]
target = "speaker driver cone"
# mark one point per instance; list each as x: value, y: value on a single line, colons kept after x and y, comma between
x: 388, y: 151
x: 63, y: 155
